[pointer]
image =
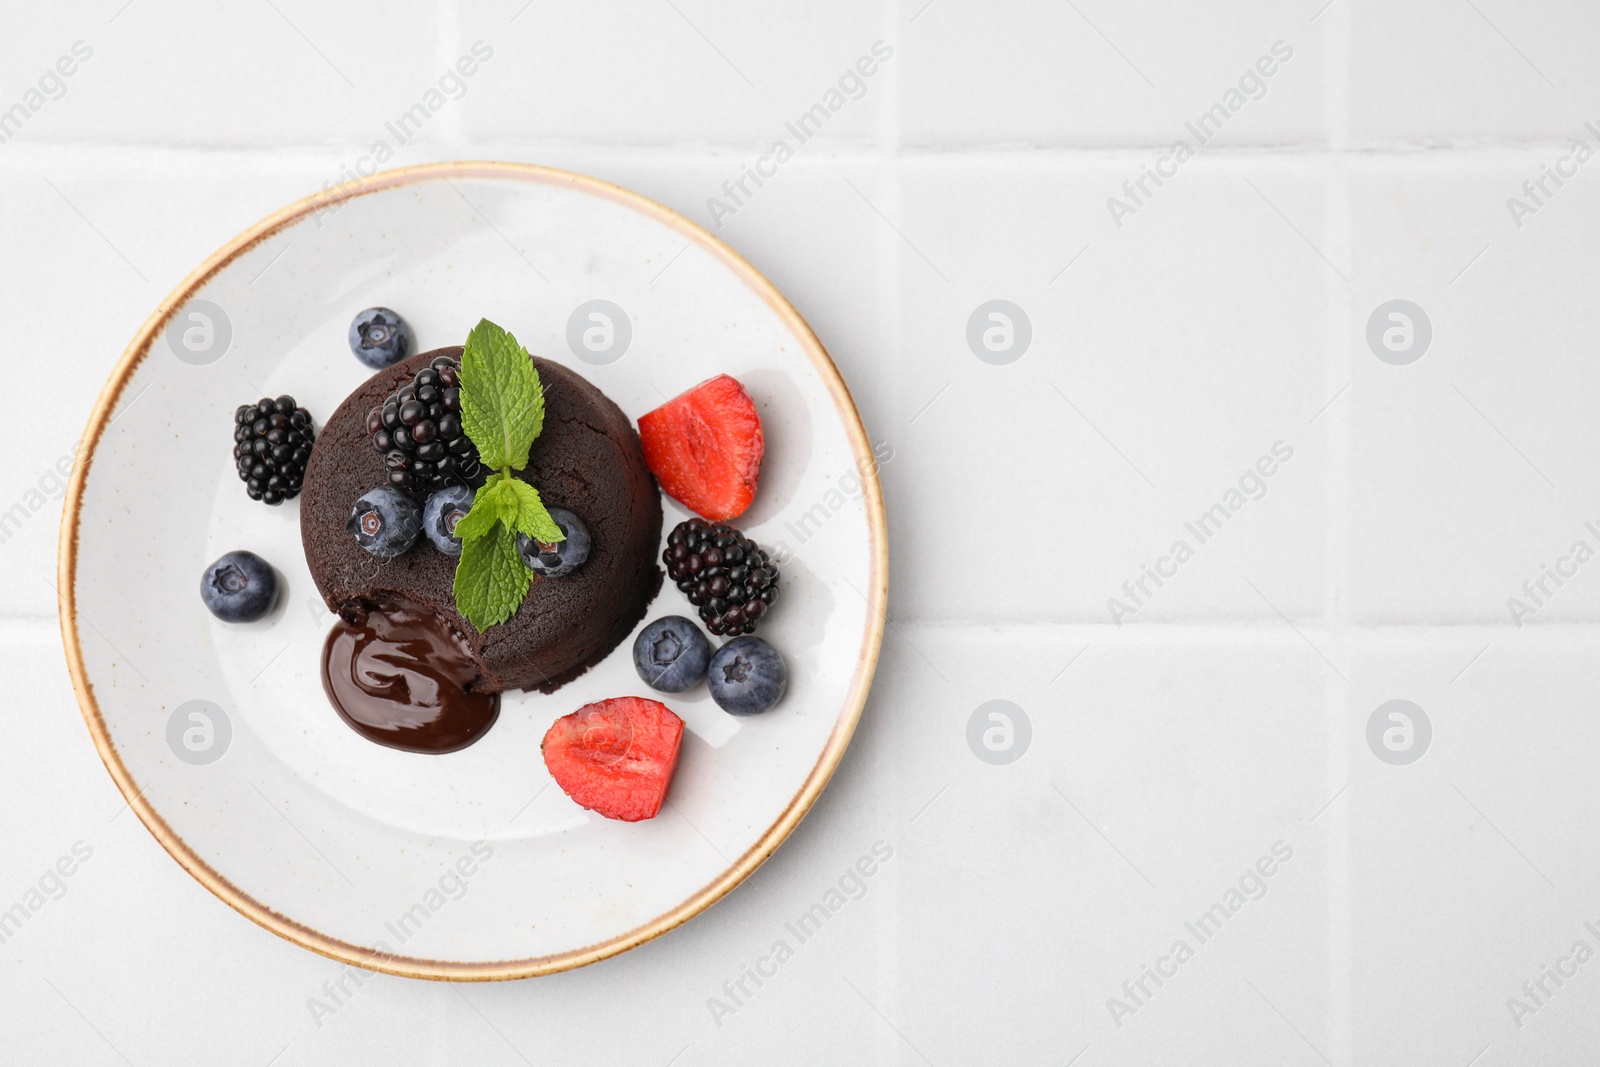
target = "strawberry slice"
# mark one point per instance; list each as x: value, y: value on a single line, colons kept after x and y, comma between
x: 615, y: 757
x: 705, y: 448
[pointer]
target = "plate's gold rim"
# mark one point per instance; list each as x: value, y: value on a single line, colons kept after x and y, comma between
x: 411, y: 967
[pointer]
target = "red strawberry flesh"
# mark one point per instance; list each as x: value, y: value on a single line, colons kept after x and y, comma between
x: 705, y: 448
x: 615, y: 757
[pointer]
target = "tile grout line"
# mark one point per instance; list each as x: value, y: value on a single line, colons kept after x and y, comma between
x: 56, y: 153
x: 886, y: 965
x: 28, y: 625
x: 1341, y: 356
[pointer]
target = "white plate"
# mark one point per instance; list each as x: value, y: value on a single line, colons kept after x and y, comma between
x: 362, y: 852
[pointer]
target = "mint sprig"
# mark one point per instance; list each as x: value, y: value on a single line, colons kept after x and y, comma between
x: 502, y: 412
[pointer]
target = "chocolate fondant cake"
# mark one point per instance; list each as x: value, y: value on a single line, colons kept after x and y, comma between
x: 588, y: 460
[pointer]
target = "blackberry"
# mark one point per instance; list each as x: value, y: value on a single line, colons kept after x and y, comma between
x: 419, y: 432
x: 271, y: 442
x: 729, y: 577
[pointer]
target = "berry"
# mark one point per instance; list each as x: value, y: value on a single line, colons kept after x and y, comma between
x: 380, y: 338
x: 271, y: 443
x: 561, y: 558
x: 671, y: 654
x: 385, y: 522
x: 747, y: 676
x: 729, y: 577
x: 441, y: 513
x: 705, y: 448
x: 615, y: 757
x: 419, y: 432
x: 239, y: 587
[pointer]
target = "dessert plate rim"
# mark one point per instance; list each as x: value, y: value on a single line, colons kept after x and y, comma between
x: 405, y: 966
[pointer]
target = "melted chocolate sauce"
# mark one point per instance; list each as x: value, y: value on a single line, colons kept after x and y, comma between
x: 401, y: 677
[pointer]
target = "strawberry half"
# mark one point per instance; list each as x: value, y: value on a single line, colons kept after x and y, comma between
x: 705, y: 448
x: 615, y: 757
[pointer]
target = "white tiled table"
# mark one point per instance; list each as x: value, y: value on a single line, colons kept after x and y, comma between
x: 1168, y: 755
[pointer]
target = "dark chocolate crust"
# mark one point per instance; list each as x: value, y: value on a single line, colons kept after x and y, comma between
x: 587, y: 460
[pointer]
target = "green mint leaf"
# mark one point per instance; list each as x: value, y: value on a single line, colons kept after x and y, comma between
x: 489, y: 506
x: 531, y: 517
x: 502, y: 400
x: 491, y: 580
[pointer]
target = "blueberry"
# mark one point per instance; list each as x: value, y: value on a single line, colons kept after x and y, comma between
x: 441, y: 513
x: 563, y: 557
x: 385, y: 522
x: 380, y: 338
x: 671, y: 654
x: 239, y: 587
x: 747, y: 676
